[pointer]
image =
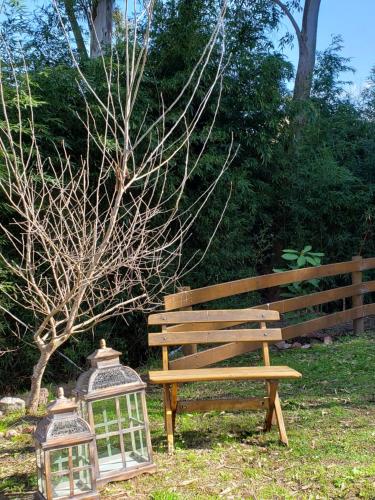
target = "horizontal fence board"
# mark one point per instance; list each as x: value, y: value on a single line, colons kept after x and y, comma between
x: 227, y: 351
x: 222, y: 290
x: 367, y: 264
x: 168, y: 318
x: 214, y: 336
x: 222, y: 404
x: 288, y: 305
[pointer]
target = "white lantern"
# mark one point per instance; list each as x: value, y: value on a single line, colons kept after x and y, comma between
x: 112, y: 399
x: 65, y: 453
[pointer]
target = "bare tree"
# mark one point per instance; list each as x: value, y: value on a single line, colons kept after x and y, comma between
x: 306, y: 36
x: 90, y: 251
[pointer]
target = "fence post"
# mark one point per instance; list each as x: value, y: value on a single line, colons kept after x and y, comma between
x: 190, y: 348
x: 357, y: 300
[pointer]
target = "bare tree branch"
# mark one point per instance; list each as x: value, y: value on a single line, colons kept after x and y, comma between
x: 291, y: 18
x: 91, y: 250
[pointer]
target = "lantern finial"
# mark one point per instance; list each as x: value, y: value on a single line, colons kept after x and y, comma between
x: 60, y: 393
x: 103, y: 344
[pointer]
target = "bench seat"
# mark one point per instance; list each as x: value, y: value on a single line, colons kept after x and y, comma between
x: 226, y: 373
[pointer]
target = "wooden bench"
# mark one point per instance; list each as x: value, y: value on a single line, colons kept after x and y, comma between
x: 206, y: 327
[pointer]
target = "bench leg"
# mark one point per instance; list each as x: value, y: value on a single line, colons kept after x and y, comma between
x: 274, y: 421
x: 274, y: 410
x: 272, y: 385
x: 168, y: 418
x: 280, y: 421
x: 174, y: 390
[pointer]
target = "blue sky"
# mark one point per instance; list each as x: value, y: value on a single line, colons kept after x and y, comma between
x: 354, y: 20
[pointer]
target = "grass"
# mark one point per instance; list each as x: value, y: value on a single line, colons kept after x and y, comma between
x: 329, y: 413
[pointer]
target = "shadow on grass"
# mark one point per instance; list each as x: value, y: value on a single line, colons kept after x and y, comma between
x: 209, y: 439
x: 342, y: 402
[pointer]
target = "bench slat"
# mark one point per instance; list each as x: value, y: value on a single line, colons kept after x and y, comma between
x: 222, y: 404
x: 170, y: 318
x: 215, y: 336
x: 226, y: 373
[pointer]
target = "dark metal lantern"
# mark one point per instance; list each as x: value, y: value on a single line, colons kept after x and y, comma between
x: 112, y: 399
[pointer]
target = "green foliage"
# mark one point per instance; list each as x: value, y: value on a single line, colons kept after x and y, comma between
x: 298, y: 259
x: 303, y: 257
x: 315, y: 184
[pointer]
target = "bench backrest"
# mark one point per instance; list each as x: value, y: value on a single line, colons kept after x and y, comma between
x: 220, y: 318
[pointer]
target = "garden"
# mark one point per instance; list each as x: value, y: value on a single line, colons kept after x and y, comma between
x: 186, y: 233
x: 329, y: 414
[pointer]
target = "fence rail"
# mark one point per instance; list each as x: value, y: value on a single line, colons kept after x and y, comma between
x: 187, y: 298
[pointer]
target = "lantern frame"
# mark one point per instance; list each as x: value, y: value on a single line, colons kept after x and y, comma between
x: 64, y: 432
x: 118, y: 390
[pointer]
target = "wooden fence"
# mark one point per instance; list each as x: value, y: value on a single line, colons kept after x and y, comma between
x: 186, y: 298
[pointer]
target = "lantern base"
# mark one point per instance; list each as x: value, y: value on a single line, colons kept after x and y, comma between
x: 123, y: 475
x: 83, y: 496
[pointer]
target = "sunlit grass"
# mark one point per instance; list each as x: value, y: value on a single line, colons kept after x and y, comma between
x: 329, y: 413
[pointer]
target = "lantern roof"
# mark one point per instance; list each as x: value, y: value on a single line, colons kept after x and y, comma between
x: 62, y: 421
x: 61, y: 404
x: 106, y: 374
x: 105, y: 354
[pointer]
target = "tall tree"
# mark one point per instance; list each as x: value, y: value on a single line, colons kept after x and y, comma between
x: 306, y: 36
x: 77, y: 32
x: 101, y: 26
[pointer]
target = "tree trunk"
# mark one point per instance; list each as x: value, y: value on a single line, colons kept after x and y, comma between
x: 307, y: 50
x: 36, y: 381
x: 101, y: 30
x: 81, y: 47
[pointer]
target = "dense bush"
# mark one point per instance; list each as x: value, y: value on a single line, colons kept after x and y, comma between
x: 286, y: 186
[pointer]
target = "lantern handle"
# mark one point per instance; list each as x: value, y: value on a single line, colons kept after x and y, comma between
x: 103, y: 344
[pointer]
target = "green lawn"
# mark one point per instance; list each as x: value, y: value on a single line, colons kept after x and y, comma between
x: 330, y: 419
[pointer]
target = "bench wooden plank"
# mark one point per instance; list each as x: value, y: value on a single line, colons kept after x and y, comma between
x: 222, y: 404
x: 170, y: 318
x: 215, y: 336
x: 226, y: 373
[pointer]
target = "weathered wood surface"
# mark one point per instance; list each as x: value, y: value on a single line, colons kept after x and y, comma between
x: 288, y: 305
x: 226, y: 373
x: 215, y: 336
x: 208, y: 316
x: 232, y: 349
x: 192, y: 348
x: 222, y: 290
x: 357, y: 299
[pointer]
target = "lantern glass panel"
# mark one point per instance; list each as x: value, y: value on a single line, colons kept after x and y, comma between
x: 80, y: 455
x: 38, y: 457
x: 59, y: 460
x: 60, y: 485
x: 41, y: 482
x: 109, y: 453
x: 82, y: 481
x: 135, y: 444
x: 83, y: 410
x: 105, y: 416
x: 131, y: 410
